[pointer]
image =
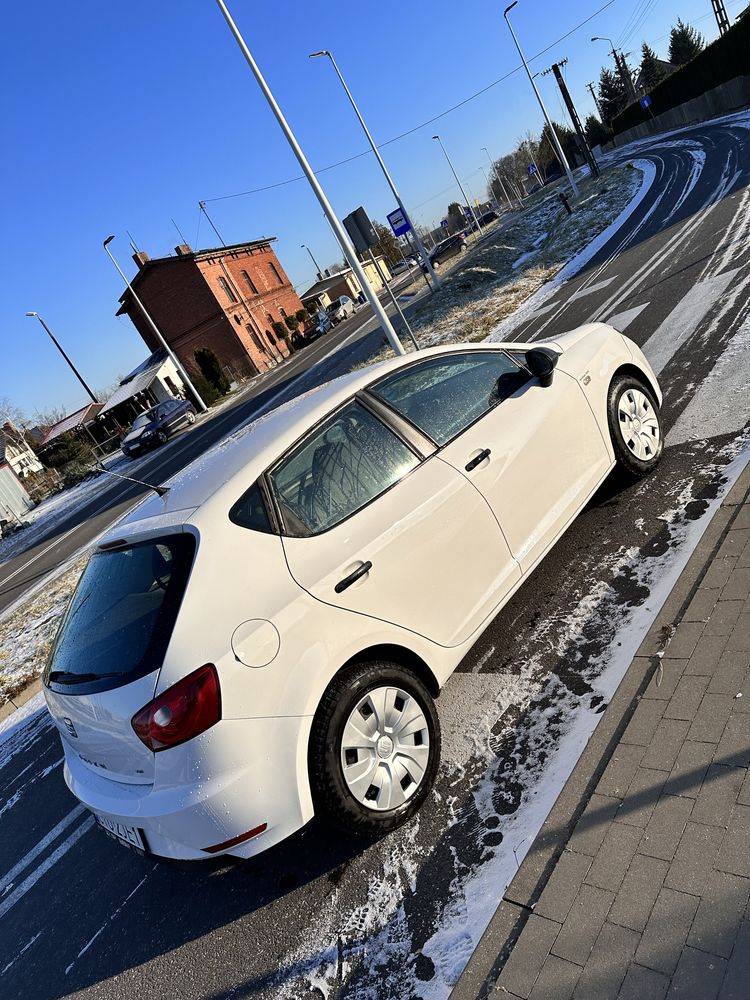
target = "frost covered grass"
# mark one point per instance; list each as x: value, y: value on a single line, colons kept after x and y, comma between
x: 26, y: 634
x: 504, y: 270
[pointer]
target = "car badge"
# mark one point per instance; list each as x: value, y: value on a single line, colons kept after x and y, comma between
x: 68, y: 723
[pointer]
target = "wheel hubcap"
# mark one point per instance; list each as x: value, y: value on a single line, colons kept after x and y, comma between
x: 639, y: 424
x: 385, y: 748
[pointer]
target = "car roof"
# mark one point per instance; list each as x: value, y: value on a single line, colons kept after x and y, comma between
x: 211, y: 484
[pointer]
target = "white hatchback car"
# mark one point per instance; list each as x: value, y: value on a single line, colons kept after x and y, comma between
x: 266, y: 640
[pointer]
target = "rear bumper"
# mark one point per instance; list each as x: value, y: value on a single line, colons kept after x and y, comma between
x: 234, y: 778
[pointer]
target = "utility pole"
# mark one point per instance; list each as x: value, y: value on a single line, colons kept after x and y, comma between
x: 555, y: 140
x: 556, y: 68
x: 72, y: 367
x: 620, y: 65
x: 304, y: 246
x: 339, y: 231
x: 202, y: 207
x: 458, y: 182
x: 595, y: 99
x: 721, y: 16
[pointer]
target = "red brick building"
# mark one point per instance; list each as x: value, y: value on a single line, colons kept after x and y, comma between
x: 225, y: 299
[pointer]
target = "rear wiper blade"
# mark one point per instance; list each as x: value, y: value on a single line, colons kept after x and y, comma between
x: 70, y: 677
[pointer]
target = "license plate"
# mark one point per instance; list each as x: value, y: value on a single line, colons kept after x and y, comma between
x: 128, y: 835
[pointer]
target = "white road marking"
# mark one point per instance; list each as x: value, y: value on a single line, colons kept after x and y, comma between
x: 45, y: 866
x: 621, y: 321
x: 21, y: 952
x: 722, y: 403
x: 109, y: 920
x: 684, y: 319
x: 590, y: 289
x: 7, y: 880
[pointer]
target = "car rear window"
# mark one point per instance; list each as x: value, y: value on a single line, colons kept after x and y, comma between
x: 119, y: 623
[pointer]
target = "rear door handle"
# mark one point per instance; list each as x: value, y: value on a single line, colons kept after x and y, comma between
x: 478, y: 459
x: 358, y: 573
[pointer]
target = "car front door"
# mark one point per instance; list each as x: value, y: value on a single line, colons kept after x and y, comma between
x: 375, y: 524
x: 535, y: 452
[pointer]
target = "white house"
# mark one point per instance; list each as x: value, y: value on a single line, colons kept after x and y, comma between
x: 16, y: 452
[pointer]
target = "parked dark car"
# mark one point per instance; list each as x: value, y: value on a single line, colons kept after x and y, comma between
x: 319, y: 324
x: 156, y: 425
x: 448, y: 248
x: 488, y: 217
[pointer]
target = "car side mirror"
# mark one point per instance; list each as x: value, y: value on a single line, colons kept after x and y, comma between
x: 541, y: 361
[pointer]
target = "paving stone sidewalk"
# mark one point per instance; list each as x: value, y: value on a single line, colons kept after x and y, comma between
x: 650, y: 896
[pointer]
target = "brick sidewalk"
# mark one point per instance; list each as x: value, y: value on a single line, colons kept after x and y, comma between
x: 650, y: 895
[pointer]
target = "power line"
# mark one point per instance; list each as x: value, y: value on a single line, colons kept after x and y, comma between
x: 416, y: 128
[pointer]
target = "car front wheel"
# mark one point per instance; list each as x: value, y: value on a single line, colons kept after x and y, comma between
x: 374, y: 748
x: 634, y: 426
x: 161, y: 437
x: 191, y: 417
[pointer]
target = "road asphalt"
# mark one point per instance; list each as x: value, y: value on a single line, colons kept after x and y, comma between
x: 324, y: 916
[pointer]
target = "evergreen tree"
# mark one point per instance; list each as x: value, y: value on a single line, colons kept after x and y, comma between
x: 684, y: 43
x: 596, y: 133
x: 456, y: 217
x: 651, y: 71
x: 612, y: 95
x: 387, y: 246
x: 211, y: 370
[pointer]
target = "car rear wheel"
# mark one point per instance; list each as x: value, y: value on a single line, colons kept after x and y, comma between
x: 162, y: 437
x: 191, y: 417
x: 634, y: 426
x: 374, y: 748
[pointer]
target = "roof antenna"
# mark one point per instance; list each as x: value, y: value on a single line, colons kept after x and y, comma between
x: 159, y: 490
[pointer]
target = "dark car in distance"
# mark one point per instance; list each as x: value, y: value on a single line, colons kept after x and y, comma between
x: 448, y: 248
x: 157, y: 425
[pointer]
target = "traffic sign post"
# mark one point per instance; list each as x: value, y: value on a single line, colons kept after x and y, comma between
x: 398, y: 222
x: 645, y: 103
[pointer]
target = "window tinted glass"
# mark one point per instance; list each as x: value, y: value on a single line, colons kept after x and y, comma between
x: 120, y: 620
x: 338, y: 469
x: 250, y: 511
x: 444, y: 395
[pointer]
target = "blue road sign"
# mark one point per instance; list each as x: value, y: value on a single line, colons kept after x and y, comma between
x: 398, y: 222
x: 444, y: 223
x: 645, y: 102
x: 532, y: 168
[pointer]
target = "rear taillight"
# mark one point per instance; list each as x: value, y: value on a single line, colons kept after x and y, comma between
x: 187, y: 709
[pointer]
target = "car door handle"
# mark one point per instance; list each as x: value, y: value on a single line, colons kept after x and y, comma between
x: 478, y: 459
x: 358, y: 573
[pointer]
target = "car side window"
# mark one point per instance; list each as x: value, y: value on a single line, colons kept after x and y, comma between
x: 250, y: 511
x: 444, y: 395
x: 337, y: 470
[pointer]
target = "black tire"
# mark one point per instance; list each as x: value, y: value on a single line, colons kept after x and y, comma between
x: 162, y: 437
x: 331, y: 794
x: 190, y: 417
x: 634, y: 466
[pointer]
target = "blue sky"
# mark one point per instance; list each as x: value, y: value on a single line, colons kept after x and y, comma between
x: 121, y: 116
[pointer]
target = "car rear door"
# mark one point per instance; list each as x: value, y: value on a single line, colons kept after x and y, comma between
x: 375, y: 524
x: 535, y: 452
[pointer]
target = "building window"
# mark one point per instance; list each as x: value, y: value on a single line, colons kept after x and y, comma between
x: 282, y: 310
x: 271, y: 338
x: 276, y: 272
x: 237, y: 320
x: 258, y: 343
x: 250, y: 283
x: 270, y: 318
x: 227, y: 290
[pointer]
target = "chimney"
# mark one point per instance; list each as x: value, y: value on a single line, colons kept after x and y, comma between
x: 183, y: 250
x: 140, y: 257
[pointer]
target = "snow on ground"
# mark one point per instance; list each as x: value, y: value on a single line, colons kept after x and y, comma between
x: 26, y: 633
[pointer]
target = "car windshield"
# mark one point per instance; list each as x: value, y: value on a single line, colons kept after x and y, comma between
x: 143, y: 420
x: 336, y: 304
x: 121, y: 618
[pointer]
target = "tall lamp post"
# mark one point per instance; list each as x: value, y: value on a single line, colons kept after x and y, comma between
x: 175, y: 360
x: 304, y: 246
x: 553, y: 134
x: 72, y: 367
x: 497, y: 175
x: 422, y: 252
x: 341, y: 235
x: 621, y: 65
x: 460, y: 185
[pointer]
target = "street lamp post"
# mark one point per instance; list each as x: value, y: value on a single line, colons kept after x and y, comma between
x: 175, y: 360
x: 460, y: 185
x: 553, y: 134
x: 490, y: 190
x: 339, y: 231
x: 621, y: 65
x: 304, y: 246
x: 497, y: 175
x: 422, y: 252
x: 72, y: 367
